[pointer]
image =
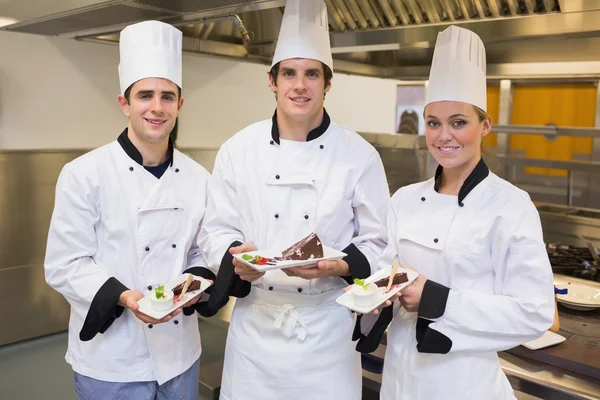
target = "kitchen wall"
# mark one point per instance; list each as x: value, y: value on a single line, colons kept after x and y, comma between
x: 61, y: 94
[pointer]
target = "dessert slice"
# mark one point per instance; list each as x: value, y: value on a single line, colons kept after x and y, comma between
x: 308, y: 248
x: 195, y: 285
x: 399, y: 278
x: 189, y: 285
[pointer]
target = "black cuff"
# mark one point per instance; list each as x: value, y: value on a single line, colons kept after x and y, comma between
x: 226, y: 284
x: 204, y: 273
x: 103, y: 310
x: 370, y: 342
x: 358, y: 263
x: 239, y: 287
x: 433, y: 300
x: 431, y: 341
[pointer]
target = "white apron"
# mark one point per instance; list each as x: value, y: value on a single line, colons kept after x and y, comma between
x: 317, y: 358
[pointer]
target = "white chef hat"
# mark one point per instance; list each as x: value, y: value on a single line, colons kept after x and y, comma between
x: 304, y: 32
x: 458, y: 68
x: 150, y: 49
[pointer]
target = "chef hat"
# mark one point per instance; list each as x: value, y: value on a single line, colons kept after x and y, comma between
x: 149, y: 49
x: 304, y: 32
x: 458, y: 68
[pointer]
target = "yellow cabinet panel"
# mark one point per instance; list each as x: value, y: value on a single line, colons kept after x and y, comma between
x: 562, y: 105
x: 493, y: 106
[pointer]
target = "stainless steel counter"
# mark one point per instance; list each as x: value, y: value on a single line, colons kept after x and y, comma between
x: 528, y: 376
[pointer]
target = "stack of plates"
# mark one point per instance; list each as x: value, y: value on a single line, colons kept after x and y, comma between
x: 580, y: 296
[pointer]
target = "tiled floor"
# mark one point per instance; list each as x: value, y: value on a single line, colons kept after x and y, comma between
x: 36, y: 369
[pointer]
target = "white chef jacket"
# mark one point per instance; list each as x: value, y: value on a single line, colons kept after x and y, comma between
x: 274, y: 192
x: 116, y: 226
x: 490, y: 287
x: 288, y: 337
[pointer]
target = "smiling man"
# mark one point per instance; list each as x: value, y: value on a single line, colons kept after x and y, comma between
x: 274, y: 183
x: 126, y: 219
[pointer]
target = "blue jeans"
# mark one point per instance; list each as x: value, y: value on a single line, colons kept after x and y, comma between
x: 182, y: 387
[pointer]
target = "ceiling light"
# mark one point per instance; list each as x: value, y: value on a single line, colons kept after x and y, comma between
x: 7, y: 21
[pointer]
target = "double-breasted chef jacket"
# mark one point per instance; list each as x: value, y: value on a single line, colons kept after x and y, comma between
x: 288, y: 338
x: 490, y: 288
x: 116, y: 226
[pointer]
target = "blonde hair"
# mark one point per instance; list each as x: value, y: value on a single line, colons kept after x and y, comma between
x: 480, y: 113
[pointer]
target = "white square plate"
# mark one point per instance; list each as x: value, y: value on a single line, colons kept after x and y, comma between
x: 328, y: 254
x: 546, y: 340
x: 347, y: 299
x: 146, y: 306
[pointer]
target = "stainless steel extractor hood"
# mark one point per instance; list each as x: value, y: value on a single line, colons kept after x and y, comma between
x: 386, y: 38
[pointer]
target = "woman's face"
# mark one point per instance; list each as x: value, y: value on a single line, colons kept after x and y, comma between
x: 454, y: 132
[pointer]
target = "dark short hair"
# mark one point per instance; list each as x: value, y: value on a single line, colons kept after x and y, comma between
x: 328, y: 74
x: 127, y: 93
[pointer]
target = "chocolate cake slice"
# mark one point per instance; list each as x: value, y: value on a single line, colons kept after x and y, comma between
x: 195, y: 285
x: 306, y: 249
x: 399, y: 278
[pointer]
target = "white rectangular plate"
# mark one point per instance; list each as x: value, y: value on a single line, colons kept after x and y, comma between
x: 328, y: 254
x: 548, y: 339
x: 146, y: 306
x: 347, y: 299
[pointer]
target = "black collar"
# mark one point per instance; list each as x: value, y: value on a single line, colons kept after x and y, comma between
x: 134, y: 153
x: 479, y: 173
x: 312, y: 135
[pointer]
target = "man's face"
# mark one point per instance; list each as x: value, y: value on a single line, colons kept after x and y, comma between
x: 300, y: 88
x: 152, y: 109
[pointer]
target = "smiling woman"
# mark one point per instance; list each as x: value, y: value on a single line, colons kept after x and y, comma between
x: 485, y: 282
x: 454, y: 132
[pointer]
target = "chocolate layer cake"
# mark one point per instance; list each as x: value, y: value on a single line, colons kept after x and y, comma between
x: 399, y: 278
x: 195, y: 285
x: 306, y: 249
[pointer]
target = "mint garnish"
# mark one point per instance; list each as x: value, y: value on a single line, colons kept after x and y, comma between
x: 160, y: 291
x: 359, y: 282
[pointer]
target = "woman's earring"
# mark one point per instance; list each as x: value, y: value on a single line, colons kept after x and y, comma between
x: 275, y: 95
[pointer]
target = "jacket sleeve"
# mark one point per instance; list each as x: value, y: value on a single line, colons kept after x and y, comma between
x: 520, y: 310
x: 221, y: 223
x: 69, y: 264
x: 370, y: 203
x: 196, y: 265
x: 369, y: 329
x: 221, y: 231
x: 196, y: 262
x: 195, y: 257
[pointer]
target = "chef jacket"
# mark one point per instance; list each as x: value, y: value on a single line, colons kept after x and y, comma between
x: 115, y: 226
x: 489, y: 288
x: 272, y: 192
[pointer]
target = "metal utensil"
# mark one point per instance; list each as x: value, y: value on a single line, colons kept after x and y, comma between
x: 592, y: 250
x: 392, y: 274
